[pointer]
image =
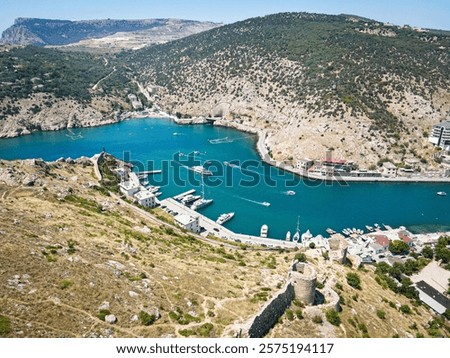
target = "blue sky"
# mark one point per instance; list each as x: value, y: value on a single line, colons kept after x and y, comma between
x: 422, y: 13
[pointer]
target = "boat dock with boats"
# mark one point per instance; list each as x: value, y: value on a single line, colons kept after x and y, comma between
x: 210, y: 227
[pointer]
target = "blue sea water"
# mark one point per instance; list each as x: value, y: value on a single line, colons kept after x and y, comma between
x: 157, y: 144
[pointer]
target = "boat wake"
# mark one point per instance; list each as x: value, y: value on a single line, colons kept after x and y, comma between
x: 73, y: 136
x: 263, y: 203
x: 220, y: 140
x: 289, y: 193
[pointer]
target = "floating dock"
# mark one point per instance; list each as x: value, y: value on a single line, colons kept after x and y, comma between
x: 182, y: 195
x: 149, y: 172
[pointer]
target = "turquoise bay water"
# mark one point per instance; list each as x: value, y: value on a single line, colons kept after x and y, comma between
x: 319, y: 205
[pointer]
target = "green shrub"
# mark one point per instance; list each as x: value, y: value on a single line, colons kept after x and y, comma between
x: 65, y: 284
x: 299, y: 314
x: 353, y: 280
x: 146, y: 318
x: 186, y: 332
x: 205, y: 330
x: 102, y: 314
x: 333, y: 317
x: 300, y: 256
x: 381, y: 314
x: 289, y: 315
x: 5, y: 326
x: 405, y: 309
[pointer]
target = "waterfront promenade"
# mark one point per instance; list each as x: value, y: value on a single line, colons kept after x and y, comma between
x: 211, y: 227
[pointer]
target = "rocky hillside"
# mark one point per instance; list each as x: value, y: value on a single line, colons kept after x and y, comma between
x: 76, y: 261
x: 366, y: 89
x: 30, y: 31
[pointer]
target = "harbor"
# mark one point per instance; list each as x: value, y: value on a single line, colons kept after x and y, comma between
x: 210, y: 227
x: 257, y: 193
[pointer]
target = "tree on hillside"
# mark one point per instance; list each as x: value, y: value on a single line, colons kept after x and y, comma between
x: 441, y: 252
x: 428, y: 252
x: 398, y: 247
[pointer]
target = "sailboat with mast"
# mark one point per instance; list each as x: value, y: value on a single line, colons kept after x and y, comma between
x: 202, y: 202
x: 296, y: 237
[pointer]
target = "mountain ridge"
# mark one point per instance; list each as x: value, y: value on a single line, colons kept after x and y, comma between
x: 312, y: 82
x: 55, y: 32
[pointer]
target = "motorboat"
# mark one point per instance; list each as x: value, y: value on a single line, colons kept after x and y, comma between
x: 200, y: 170
x: 264, y: 231
x: 222, y: 219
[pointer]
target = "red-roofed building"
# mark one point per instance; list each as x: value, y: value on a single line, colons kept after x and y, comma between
x: 382, y: 240
x: 405, y: 238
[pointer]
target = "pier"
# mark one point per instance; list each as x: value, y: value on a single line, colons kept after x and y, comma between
x: 182, y: 195
x: 149, y: 172
x: 211, y: 227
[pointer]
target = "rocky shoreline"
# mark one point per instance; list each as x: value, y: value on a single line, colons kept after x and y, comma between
x: 261, y: 145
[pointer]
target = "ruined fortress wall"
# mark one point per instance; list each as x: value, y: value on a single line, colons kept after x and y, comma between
x: 270, y: 313
x: 303, y: 277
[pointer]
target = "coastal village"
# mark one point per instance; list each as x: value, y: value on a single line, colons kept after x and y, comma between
x: 332, y: 168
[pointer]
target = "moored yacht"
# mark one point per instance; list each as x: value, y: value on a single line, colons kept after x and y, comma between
x: 264, y: 230
x: 202, y: 202
x: 222, y: 219
x: 190, y: 198
x: 200, y: 170
x: 288, y: 236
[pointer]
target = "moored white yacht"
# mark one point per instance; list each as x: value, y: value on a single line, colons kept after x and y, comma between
x: 200, y: 170
x: 190, y: 198
x: 264, y: 230
x: 222, y: 219
x: 202, y: 202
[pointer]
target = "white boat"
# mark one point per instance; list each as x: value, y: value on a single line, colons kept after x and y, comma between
x: 288, y: 236
x: 200, y: 170
x: 231, y: 165
x: 158, y: 193
x: 222, y: 219
x: 441, y: 193
x: 264, y: 230
x: 296, y: 236
x: 265, y: 203
x: 290, y: 192
x: 153, y: 189
x: 190, y: 198
x: 369, y: 228
x: 202, y: 202
x: 330, y: 231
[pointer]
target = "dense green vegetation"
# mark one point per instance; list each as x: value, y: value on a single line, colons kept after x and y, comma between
x: 31, y: 69
x: 333, y: 59
x: 27, y: 71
